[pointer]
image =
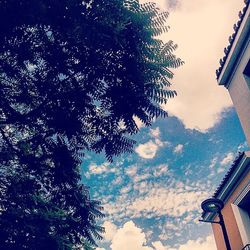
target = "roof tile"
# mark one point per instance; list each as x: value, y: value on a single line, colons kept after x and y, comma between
x: 232, y: 38
x: 228, y: 174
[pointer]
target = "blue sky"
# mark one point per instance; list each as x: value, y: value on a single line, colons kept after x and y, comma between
x: 152, y: 197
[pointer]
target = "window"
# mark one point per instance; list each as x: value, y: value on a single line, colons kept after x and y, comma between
x: 245, y: 204
x: 246, y: 73
x: 241, y: 209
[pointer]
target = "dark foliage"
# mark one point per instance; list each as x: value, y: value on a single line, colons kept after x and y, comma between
x: 73, y: 77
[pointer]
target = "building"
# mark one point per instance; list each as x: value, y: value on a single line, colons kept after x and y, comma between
x: 234, y: 72
x: 234, y: 190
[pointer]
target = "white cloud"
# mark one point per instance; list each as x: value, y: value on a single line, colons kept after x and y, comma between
x: 141, y: 177
x: 161, y: 170
x: 158, y: 245
x: 220, y: 170
x: 242, y: 147
x: 199, y: 244
x: 155, y: 132
x: 160, y: 143
x: 131, y: 171
x: 129, y: 237
x: 201, y: 29
x: 147, y: 150
x: 174, y: 202
x: 98, y: 169
x: 141, y: 187
x: 125, y: 189
x: 228, y: 159
x: 213, y: 162
x: 178, y: 149
x: 138, y: 122
x: 117, y: 181
x: 110, y: 230
x: 152, y: 200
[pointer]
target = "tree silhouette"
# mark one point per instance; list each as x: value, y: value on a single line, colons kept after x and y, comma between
x: 74, y: 75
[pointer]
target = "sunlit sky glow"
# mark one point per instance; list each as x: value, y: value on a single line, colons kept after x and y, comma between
x: 152, y: 197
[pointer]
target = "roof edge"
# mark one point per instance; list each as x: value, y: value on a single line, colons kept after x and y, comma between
x: 236, y: 41
x: 235, y: 174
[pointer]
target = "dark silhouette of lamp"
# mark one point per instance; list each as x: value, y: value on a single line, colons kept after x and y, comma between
x: 213, y: 205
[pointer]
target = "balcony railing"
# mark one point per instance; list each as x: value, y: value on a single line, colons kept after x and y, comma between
x: 247, y: 247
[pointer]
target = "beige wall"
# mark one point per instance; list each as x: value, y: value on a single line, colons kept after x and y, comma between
x: 230, y: 222
x: 240, y: 93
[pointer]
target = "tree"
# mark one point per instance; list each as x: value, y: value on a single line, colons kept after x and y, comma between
x: 73, y: 77
x: 43, y: 204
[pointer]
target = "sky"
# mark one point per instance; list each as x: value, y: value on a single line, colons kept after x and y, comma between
x: 152, y: 197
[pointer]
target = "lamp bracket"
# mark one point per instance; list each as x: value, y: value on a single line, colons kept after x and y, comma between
x: 210, y: 221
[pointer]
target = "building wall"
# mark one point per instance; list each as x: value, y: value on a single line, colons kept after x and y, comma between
x: 230, y: 222
x: 239, y: 91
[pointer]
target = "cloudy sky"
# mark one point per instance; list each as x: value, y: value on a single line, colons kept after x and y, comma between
x: 152, y: 197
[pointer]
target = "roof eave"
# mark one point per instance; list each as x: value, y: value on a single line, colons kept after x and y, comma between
x: 228, y: 188
x: 238, y: 45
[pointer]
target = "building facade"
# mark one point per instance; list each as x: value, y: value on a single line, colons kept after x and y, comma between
x: 234, y: 190
x: 234, y: 72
